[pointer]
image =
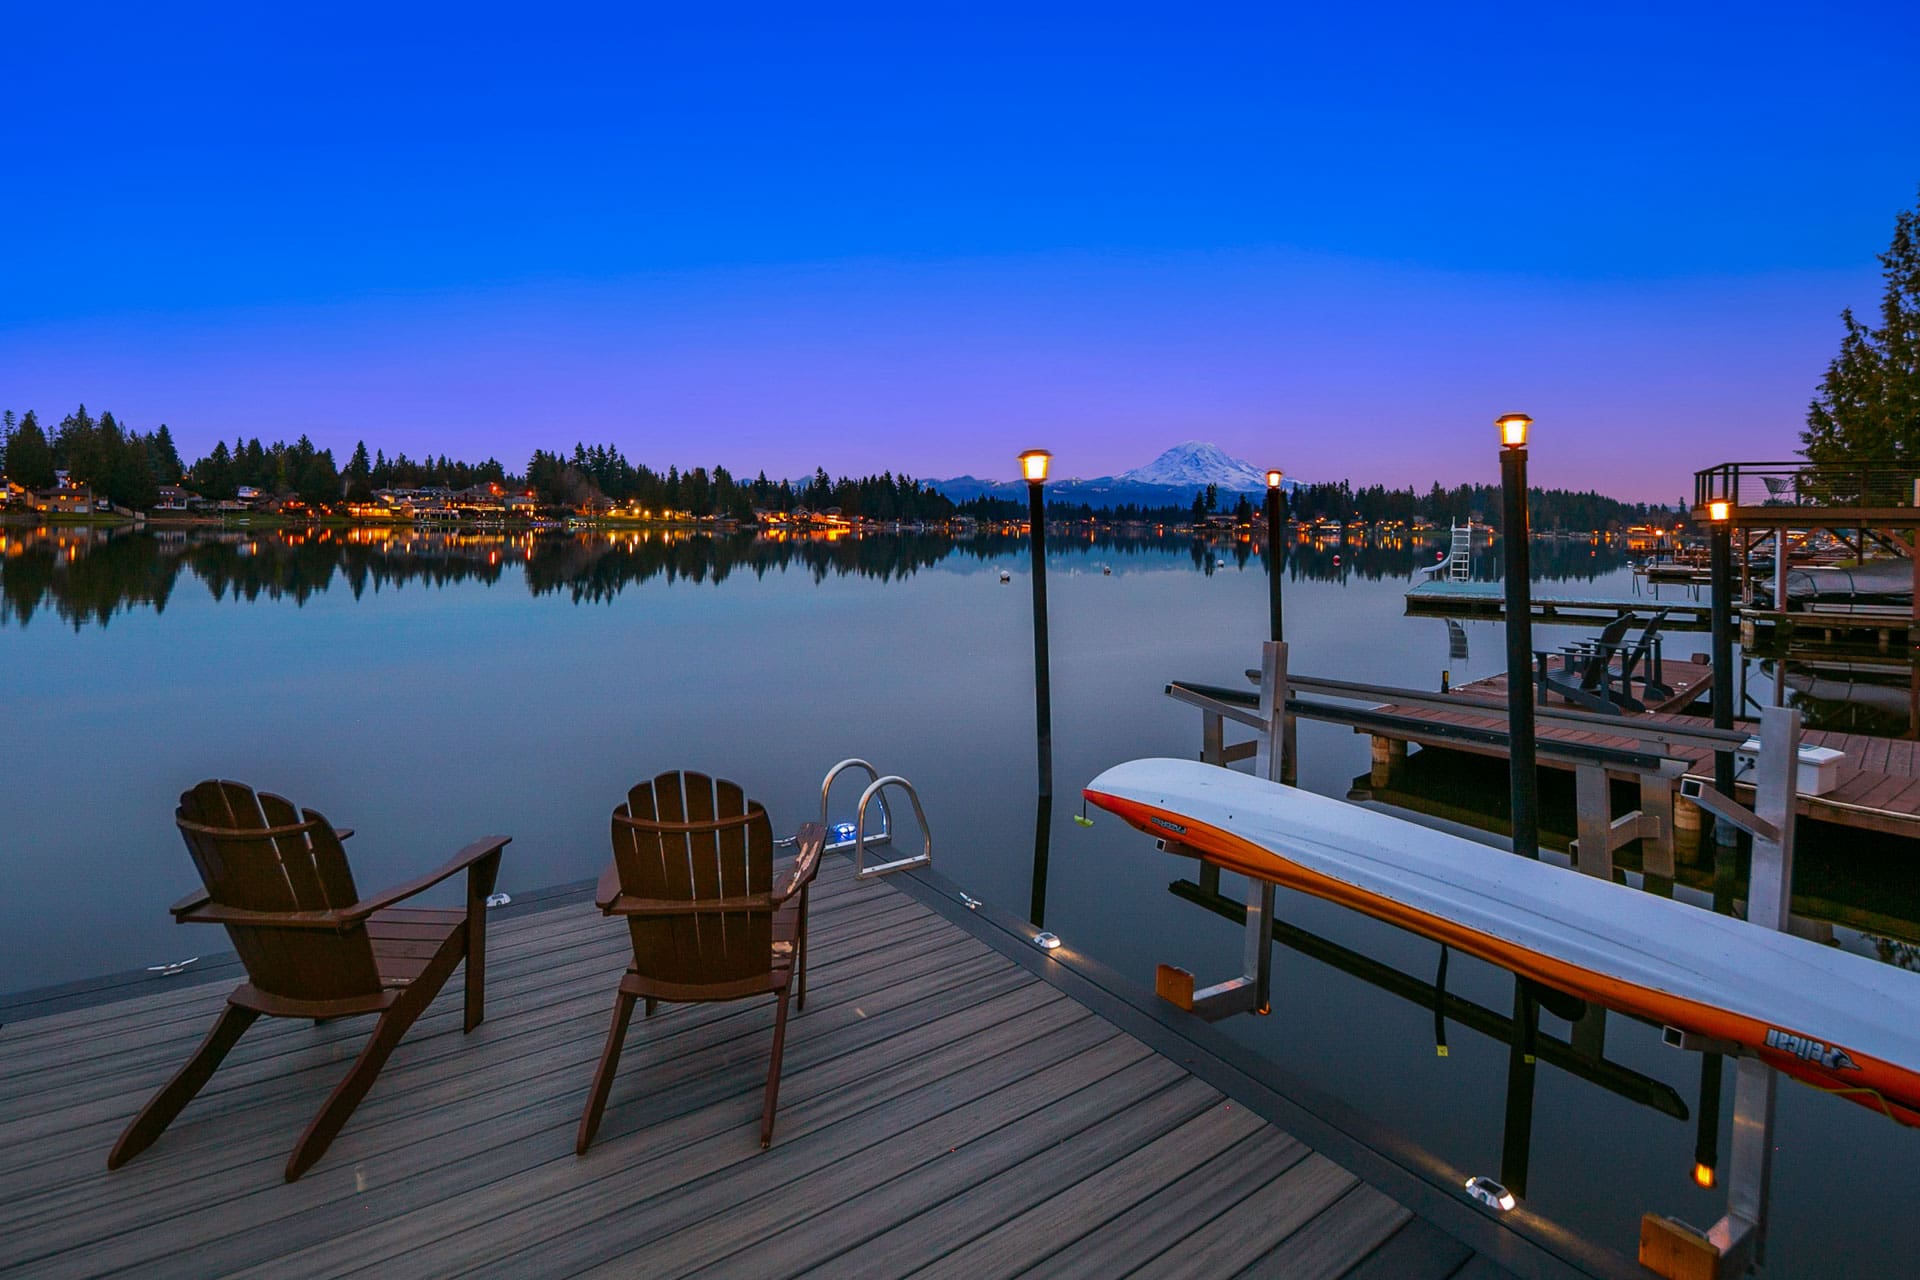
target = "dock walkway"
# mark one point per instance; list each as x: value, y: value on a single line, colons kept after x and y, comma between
x: 955, y: 1102
x: 1440, y: 598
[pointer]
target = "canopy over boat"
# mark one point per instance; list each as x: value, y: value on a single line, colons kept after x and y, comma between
x: 1838, y: 1021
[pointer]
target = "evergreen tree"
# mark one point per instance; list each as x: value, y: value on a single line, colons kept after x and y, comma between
x: 359, y: 475
x: 165, y: 459
x: 1868, y: 405
x: 29, y: 458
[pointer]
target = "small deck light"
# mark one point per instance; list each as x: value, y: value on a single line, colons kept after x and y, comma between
x: 1046, y: 941
x: 1513, y: 430
x: 1274, y: 477
x: 1718, y: 510
x: 1703, y: 1175
x: 1033, y: 465
x: 1490, y: 1193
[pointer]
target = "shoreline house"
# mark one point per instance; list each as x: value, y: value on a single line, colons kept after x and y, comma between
x: 12, y: 494
x: 67, y: 497
x: 174, y: 498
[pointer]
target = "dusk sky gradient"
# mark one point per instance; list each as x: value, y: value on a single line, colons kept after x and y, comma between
x: 1339, y: 239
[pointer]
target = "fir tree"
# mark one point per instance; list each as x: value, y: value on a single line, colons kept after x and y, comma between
x: 1868, y: 405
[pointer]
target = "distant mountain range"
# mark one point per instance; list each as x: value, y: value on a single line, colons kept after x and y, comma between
x: 1169, y: 480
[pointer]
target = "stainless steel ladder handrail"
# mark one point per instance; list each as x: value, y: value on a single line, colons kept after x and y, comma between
x: 873, y: 791
x: 883, y: 836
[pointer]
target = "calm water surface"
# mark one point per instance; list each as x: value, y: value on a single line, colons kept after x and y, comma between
x: 428, y: 690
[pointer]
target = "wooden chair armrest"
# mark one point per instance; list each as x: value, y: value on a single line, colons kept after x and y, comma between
x: 627, y: 905
x: 213, y: 913
x: 472, y: 856
x: 198, y: 898
x: 607, y: 890
x: 343, y: 833
x: 806, y: 863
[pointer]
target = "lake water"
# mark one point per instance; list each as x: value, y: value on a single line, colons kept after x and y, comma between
x: 429, y: 689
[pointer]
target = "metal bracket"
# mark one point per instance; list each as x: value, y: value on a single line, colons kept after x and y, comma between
x: 1720, y: 805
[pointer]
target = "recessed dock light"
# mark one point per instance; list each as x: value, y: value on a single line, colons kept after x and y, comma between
x: 1490, y: 1193
x: 1703, y: 1175
x: 499, y: 899
x: 1046, y: 941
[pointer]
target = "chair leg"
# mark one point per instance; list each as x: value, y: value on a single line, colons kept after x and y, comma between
x: 346, y: 1095
x: 773, y: 1070
x: 800, y: 956
x: 603, y: 1074
x: 177, y: 1092
x: 476, y: 966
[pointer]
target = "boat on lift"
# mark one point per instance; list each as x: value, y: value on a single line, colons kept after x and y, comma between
x: 1841, y: 1022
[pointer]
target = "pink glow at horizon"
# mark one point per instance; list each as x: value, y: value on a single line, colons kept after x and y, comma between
x: 1332, y: 369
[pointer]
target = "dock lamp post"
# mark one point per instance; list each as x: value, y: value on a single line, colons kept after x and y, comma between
x: 1033, y: 466
x: 1276, y: 631
x: 1522, y: 781
x: 1720, y: 571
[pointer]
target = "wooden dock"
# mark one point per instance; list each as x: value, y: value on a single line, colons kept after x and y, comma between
x: 955, y: 1102
x: 1440, y: 598
x: 1878, y: 787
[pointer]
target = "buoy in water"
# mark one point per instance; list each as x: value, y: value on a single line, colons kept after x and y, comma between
x: 1005, y: 576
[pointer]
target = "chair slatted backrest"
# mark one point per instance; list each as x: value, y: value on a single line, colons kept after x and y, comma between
x: 256, y: 853
x: 1594, y: 672
x: 687, y: 839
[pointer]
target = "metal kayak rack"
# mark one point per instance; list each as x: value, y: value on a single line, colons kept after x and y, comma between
x: 854, y: 835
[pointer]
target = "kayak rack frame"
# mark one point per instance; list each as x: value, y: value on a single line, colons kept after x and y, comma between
x: 1733, y: 1246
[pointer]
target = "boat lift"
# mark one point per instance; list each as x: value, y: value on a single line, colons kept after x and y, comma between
x: 1733, y: 1246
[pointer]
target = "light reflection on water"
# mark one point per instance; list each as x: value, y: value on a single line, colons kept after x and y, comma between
x: 430, y: 689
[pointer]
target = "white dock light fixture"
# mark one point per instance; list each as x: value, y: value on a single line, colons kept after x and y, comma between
x: 1033, y: 465
x: 1513, y: 430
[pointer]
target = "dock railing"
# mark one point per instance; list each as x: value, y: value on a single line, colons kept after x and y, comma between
x: 1875, y: 485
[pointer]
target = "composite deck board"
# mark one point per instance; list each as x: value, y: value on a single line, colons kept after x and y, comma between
x: 1417, y: 1251
x: 943, y: 1111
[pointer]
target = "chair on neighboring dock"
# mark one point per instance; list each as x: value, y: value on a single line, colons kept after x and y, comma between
x: 312, y: 946
x: 1644, y: 657
x: 1592, y: 663
x: 694, y: 878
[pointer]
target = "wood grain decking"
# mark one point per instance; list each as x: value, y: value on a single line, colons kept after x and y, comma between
x: 944, y: 1112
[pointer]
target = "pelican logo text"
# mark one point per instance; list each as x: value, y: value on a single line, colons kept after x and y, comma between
x: 1811, y: 1050
x: 1174, y: 827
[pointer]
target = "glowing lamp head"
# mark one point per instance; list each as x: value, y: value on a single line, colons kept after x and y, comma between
x: 1513, y: 430
x: 1274, y: 477
x: 1033, y: 465
x: 1703, y: 1176
x: 1718, y: 509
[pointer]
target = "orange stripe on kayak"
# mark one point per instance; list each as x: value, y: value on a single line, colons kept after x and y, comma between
x: 1881, y: 1086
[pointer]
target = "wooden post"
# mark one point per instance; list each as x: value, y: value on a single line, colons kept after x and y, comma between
x: 1389, y: 758
x: 1593, y: 809
x: 1657, y: 801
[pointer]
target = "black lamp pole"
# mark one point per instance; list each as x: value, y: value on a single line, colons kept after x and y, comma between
x: 1720, y: 570
x: 1522, y: 779
x: 1276, y: 631
x: 1034, y: 465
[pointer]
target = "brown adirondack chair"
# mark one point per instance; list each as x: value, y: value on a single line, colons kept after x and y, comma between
x: 313, y: 948
x: 694, y: 877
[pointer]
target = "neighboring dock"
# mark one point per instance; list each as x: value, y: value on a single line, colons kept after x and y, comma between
x: 955, y: 1102
x: 1442, y: 598
x: 1878, y: 787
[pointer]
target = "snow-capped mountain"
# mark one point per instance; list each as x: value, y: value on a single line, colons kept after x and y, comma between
x: 1171, y: 479
x: 1197, y: 464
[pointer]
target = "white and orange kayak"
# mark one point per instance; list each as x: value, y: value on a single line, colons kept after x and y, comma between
x: 1838, y: 1021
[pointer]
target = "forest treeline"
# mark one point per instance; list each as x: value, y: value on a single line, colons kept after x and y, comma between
x: 128, y: 467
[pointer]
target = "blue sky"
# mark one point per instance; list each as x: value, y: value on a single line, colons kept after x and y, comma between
x: 924, y: 238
